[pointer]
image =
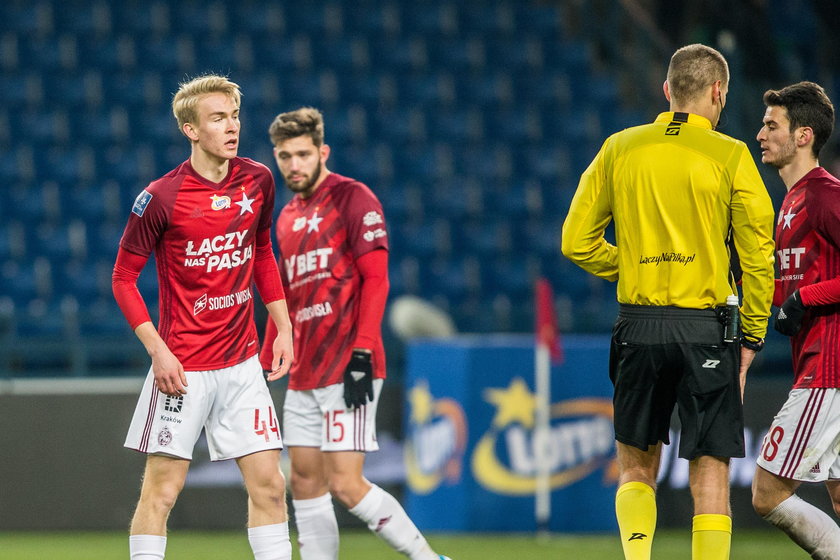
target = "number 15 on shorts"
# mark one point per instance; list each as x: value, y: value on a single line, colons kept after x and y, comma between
x: 260, y: 427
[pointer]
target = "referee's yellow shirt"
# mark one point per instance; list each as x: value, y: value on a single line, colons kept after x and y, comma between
x: 675, y: 189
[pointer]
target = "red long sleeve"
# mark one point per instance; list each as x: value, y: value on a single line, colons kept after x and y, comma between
x: 821, y: 293
x: 124, y: 285
x: 778, y: 298
x: 373, y: 267
x: 266, y: 273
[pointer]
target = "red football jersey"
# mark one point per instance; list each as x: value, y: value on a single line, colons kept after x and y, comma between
x: 203, y: 235
x: 319, y: 240
x: 808, y: 251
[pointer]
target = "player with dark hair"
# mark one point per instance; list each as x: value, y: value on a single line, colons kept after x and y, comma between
x: 678, y: 192
x: 333, y: 247
x: 208, y: 222
x: 803, y: 441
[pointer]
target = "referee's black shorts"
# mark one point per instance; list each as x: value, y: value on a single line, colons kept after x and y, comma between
x: 661, y: 356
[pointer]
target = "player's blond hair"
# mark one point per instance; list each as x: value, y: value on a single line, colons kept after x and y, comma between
x: 693, y: 68
x: 304, y: 121
x: 185, y: 101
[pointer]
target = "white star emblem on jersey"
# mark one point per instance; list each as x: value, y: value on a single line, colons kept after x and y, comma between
x: 788, y: 217
x: 245, y: 204
x: 313, y: 222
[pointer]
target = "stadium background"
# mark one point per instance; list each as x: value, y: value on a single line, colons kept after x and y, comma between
x: 471, y: 120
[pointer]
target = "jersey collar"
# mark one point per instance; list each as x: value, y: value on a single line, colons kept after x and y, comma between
x: 690, y: 118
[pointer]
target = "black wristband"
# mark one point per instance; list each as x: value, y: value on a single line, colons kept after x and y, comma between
x: 752, y: 343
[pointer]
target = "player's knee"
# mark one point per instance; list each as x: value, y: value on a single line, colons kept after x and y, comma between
x: 347, y: 490
x: 761, y: 502
x: 269, y: 491
x: 160, y: 497
x: 304, y: 485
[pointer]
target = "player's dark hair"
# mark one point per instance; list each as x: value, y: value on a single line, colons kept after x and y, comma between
x: 807, y: 105
x: 304, y: 121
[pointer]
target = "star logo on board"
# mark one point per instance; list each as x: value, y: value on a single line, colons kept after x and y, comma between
x: 788, y: 217
x: 514, y: 404
x: 245, y: 204
x: 422, y: 403
x: 313, y: 222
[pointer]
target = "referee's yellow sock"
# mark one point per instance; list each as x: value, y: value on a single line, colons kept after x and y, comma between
x: 635, y: 509
x: 711, y: 537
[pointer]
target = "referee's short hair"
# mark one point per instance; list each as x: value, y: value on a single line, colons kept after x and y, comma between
x: 692, y: 69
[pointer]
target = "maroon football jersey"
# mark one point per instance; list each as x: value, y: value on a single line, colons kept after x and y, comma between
x: 808, y: 251
x: 320, y: 239
x: 203, y: 235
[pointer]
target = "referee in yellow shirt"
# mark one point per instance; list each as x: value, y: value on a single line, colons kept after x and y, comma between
x: 678, y: 192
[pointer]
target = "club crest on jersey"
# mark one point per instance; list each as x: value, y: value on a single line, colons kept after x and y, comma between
x: 219, y: 202
x: 141, y: 202
x: 372, y: 218
x: 299, y: 224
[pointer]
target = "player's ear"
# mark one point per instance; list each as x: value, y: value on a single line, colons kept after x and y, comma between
x: 325, y: 152
x: 189, y: 131
x: 666, y: 91
x: 804, y: 135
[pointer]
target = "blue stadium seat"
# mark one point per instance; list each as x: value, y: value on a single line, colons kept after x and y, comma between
x: 19, y: 280
x: 20, y: 90
x: 85, y: 19
x: 50, y: 53
x: 174, y: 54
x: 102, y: 316
x: 199, y: 18
x: 435, y: 91
x: 490, y: 19
x: 76, y: 277
x: 458, y: 54
x: 436, y: 19
x: 110, y: 53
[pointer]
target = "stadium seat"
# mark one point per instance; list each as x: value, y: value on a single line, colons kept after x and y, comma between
x: 472, y: 121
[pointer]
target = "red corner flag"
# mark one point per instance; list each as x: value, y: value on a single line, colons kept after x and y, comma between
x: 548, y: 334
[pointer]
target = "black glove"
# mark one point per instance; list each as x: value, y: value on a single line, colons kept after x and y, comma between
x: 358, y: 380
x: 789, y: 318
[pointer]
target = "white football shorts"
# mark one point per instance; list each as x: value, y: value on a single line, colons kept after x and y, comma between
x: 803, y: 440
x: 318, y: 418
x: 233, y: 405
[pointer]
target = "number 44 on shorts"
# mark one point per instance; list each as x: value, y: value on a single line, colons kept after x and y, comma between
x: 260, y: 427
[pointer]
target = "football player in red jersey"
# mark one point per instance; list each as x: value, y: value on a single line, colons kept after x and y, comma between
x: 803, y: 440
x: 208, y: 221
x: 333, y: 247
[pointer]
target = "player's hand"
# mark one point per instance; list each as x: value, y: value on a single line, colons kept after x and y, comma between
x: 788, y: 319
x: 358, y: 379
x: 169, y: 373
x: 282, y: 355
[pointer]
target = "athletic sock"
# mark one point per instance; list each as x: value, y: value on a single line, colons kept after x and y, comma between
x: 635, y: 509
x: 317, y: 528
x: 809, y: 527
x: 387, y: 519
x: 270, y: 542
x: 711, y: 536
x: 146, y: 547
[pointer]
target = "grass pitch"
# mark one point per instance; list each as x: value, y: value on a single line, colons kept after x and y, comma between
x: 361, y: 545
